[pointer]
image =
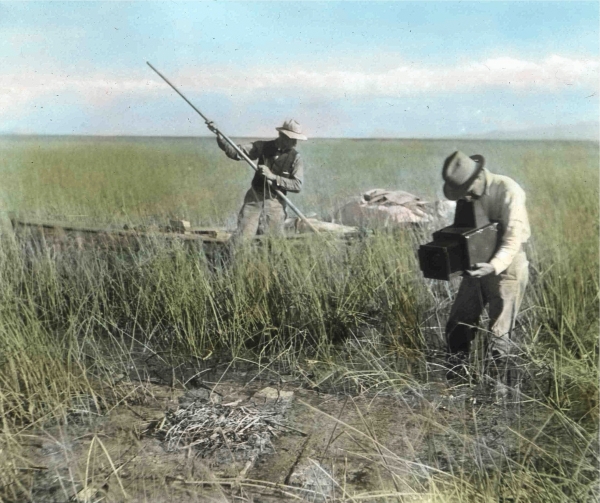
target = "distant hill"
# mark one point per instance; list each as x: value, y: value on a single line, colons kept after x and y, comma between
x: 581, y: 131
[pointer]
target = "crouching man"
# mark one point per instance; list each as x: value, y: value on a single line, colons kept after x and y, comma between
x: 280, y: 168
x: 500, y: 284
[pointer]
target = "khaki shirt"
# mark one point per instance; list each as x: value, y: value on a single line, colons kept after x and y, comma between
x: 287, y: 165
x: 504, y: 201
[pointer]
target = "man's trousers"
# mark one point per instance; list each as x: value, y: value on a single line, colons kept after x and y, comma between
x: 503, y: 294
x: 260, y: 215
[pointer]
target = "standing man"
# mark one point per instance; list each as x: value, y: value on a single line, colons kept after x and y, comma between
x: 501, y: 282
x: 280, y: 167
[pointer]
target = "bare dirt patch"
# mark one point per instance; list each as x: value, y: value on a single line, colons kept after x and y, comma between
x: 172, y: 444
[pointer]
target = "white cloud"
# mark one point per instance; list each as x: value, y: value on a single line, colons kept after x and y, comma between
x: 555, y: 73
x: 17, y: 91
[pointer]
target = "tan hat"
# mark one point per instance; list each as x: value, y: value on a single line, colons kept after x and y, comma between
x: 459, y: 172
x: 292, y: 129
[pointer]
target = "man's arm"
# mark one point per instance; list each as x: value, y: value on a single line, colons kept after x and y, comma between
x: 250, y: 149
x: 293, y: 183
x: 517, y: 229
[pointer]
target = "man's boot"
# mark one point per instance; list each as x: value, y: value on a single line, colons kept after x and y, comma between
x: 504, y: 375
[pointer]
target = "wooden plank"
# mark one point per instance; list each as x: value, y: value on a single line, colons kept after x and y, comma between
x: 57, y: 232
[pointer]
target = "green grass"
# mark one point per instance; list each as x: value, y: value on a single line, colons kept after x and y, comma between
x: 357, y: 316
x: 114, y: 179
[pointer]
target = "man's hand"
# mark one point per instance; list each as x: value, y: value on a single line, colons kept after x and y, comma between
x: 266, y: 172
x: 481, y: 269
x: 212, y: 126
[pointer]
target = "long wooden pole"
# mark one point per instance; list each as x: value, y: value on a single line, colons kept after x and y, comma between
x: 238, y: 150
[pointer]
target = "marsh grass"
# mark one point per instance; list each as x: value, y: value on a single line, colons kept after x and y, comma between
x: 352, y: 317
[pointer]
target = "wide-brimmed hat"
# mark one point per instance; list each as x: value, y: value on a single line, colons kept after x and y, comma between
x: 459, y: 172
x: 292, y: 129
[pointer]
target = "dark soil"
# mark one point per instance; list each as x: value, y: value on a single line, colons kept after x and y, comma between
x: 322, y: 446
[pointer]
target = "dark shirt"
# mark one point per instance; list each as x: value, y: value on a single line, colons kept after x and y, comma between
x: 287, y: 165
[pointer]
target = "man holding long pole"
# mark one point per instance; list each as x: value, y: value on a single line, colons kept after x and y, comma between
x: 289, y: 133
x: 280, y: 170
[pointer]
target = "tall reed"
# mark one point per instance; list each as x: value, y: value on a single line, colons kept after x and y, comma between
x: 356, y: 314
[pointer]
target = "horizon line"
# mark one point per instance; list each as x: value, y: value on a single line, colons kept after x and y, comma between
x: 353, y: 138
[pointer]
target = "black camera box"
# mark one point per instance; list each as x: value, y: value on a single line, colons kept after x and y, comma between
x: 472, y: 238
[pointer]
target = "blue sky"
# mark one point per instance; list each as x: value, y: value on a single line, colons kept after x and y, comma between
x: 406, y: 69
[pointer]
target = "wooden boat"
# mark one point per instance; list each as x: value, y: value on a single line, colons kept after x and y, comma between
x: 62, y: 236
